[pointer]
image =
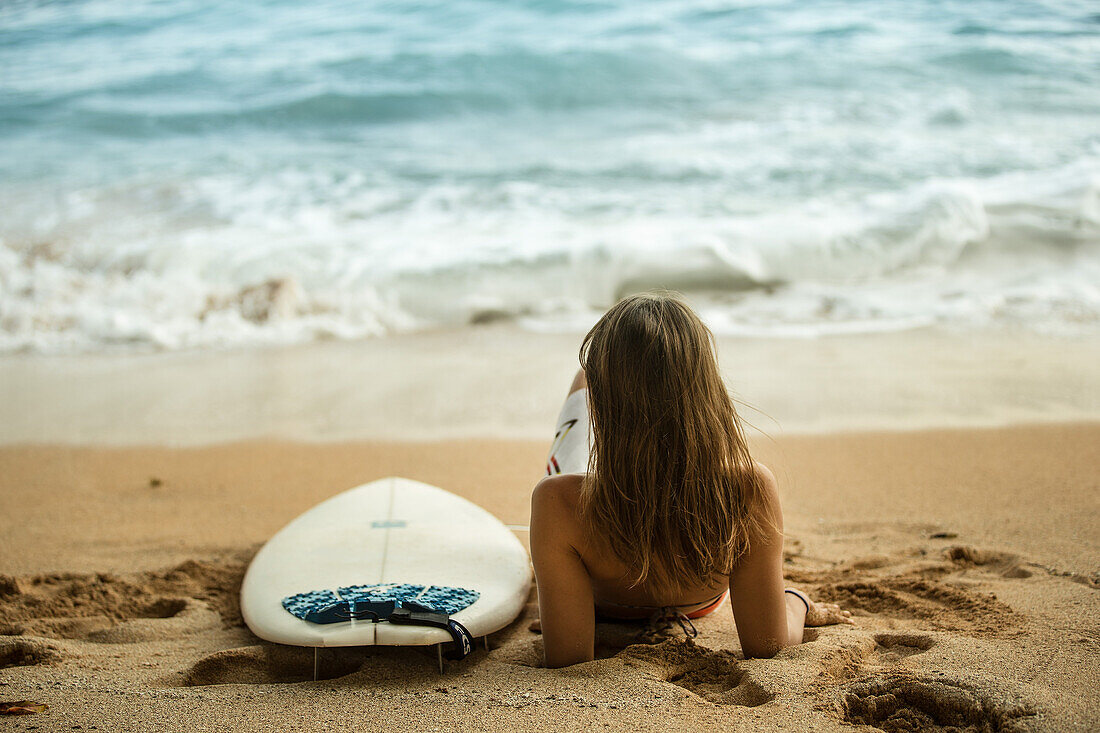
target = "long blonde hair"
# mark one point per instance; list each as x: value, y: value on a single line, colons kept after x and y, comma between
x: 670, y: 485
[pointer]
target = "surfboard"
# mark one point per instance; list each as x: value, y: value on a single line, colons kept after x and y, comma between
x: 393, y: 530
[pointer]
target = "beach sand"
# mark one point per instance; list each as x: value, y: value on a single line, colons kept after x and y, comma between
x: 969, y: 556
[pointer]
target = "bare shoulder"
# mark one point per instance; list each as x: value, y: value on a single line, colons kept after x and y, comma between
x: 555, y: 498
x: 770, y: 510
x: 563, y: 488
x: 767, y: 481
x: 763, y: 472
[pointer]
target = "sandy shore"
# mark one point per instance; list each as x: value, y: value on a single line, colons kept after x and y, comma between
x: 502, y: 382
x: 942, y: 486
x: 968, y: 556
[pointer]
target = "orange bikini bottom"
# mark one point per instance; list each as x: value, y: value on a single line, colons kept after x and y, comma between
x: 711, y: 607
x: 708, y: 609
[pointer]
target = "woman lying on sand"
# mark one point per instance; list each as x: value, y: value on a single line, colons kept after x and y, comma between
x: 669, y: 513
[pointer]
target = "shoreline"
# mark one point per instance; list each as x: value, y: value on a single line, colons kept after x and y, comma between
x: 500, y: 382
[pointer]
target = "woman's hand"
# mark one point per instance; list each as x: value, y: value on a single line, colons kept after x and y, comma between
x: 825, y: 614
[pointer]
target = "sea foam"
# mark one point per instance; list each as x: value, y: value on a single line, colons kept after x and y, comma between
x: 190, y: 176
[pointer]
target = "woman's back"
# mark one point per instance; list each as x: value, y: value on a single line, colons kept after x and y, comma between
x: 610, y: 577
x: 670, y: 484
x: 669, y: 509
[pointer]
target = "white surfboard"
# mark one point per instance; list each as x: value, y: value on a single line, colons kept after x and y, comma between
x: 393, y: 530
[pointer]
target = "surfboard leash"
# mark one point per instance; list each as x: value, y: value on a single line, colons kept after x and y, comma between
x: 414, y: 614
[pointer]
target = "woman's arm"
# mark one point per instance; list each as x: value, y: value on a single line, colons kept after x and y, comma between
x: 768, y: 619
x: 566, y: 605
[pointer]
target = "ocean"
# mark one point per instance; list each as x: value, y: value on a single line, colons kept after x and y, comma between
x: 182, y: 174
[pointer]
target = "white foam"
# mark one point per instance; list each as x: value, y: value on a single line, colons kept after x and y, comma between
x: 220, y: 260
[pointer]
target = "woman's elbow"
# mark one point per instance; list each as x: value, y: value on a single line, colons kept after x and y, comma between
x: 559, y: 661
x: 765, y: 649
x: 761, y: 652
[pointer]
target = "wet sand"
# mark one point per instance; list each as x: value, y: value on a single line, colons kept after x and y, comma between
x: 502, y: 382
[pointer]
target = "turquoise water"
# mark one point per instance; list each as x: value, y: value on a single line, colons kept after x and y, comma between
x: 188, y: 174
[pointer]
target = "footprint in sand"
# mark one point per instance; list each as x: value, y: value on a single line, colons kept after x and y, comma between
x: 271, y: 663
x: 940, y: 605
x: 718, y: 677
x: 851, y: 657
x: 1007, y: 565
x: 24, y: 651
x: 904, y: 587
x: 902, y: 701
x: 891, y: 648
x: 1004, y: 564
x: 164, y: 618
x: 189, y: 597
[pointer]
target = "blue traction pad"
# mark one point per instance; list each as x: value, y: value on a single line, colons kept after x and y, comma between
x: 437, y: 597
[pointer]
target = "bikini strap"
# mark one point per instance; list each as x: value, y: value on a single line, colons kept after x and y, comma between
x: 678, y: 606
x: 662, y: 619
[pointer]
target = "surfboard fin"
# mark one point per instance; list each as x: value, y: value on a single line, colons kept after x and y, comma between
x: 416, y: 615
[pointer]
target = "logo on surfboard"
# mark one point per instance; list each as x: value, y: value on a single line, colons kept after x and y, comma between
x: 388, y: 524
x: 552, y: 466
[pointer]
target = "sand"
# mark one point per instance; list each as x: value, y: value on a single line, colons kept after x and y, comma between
x: 502, y: 382
x: 968, y: 554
